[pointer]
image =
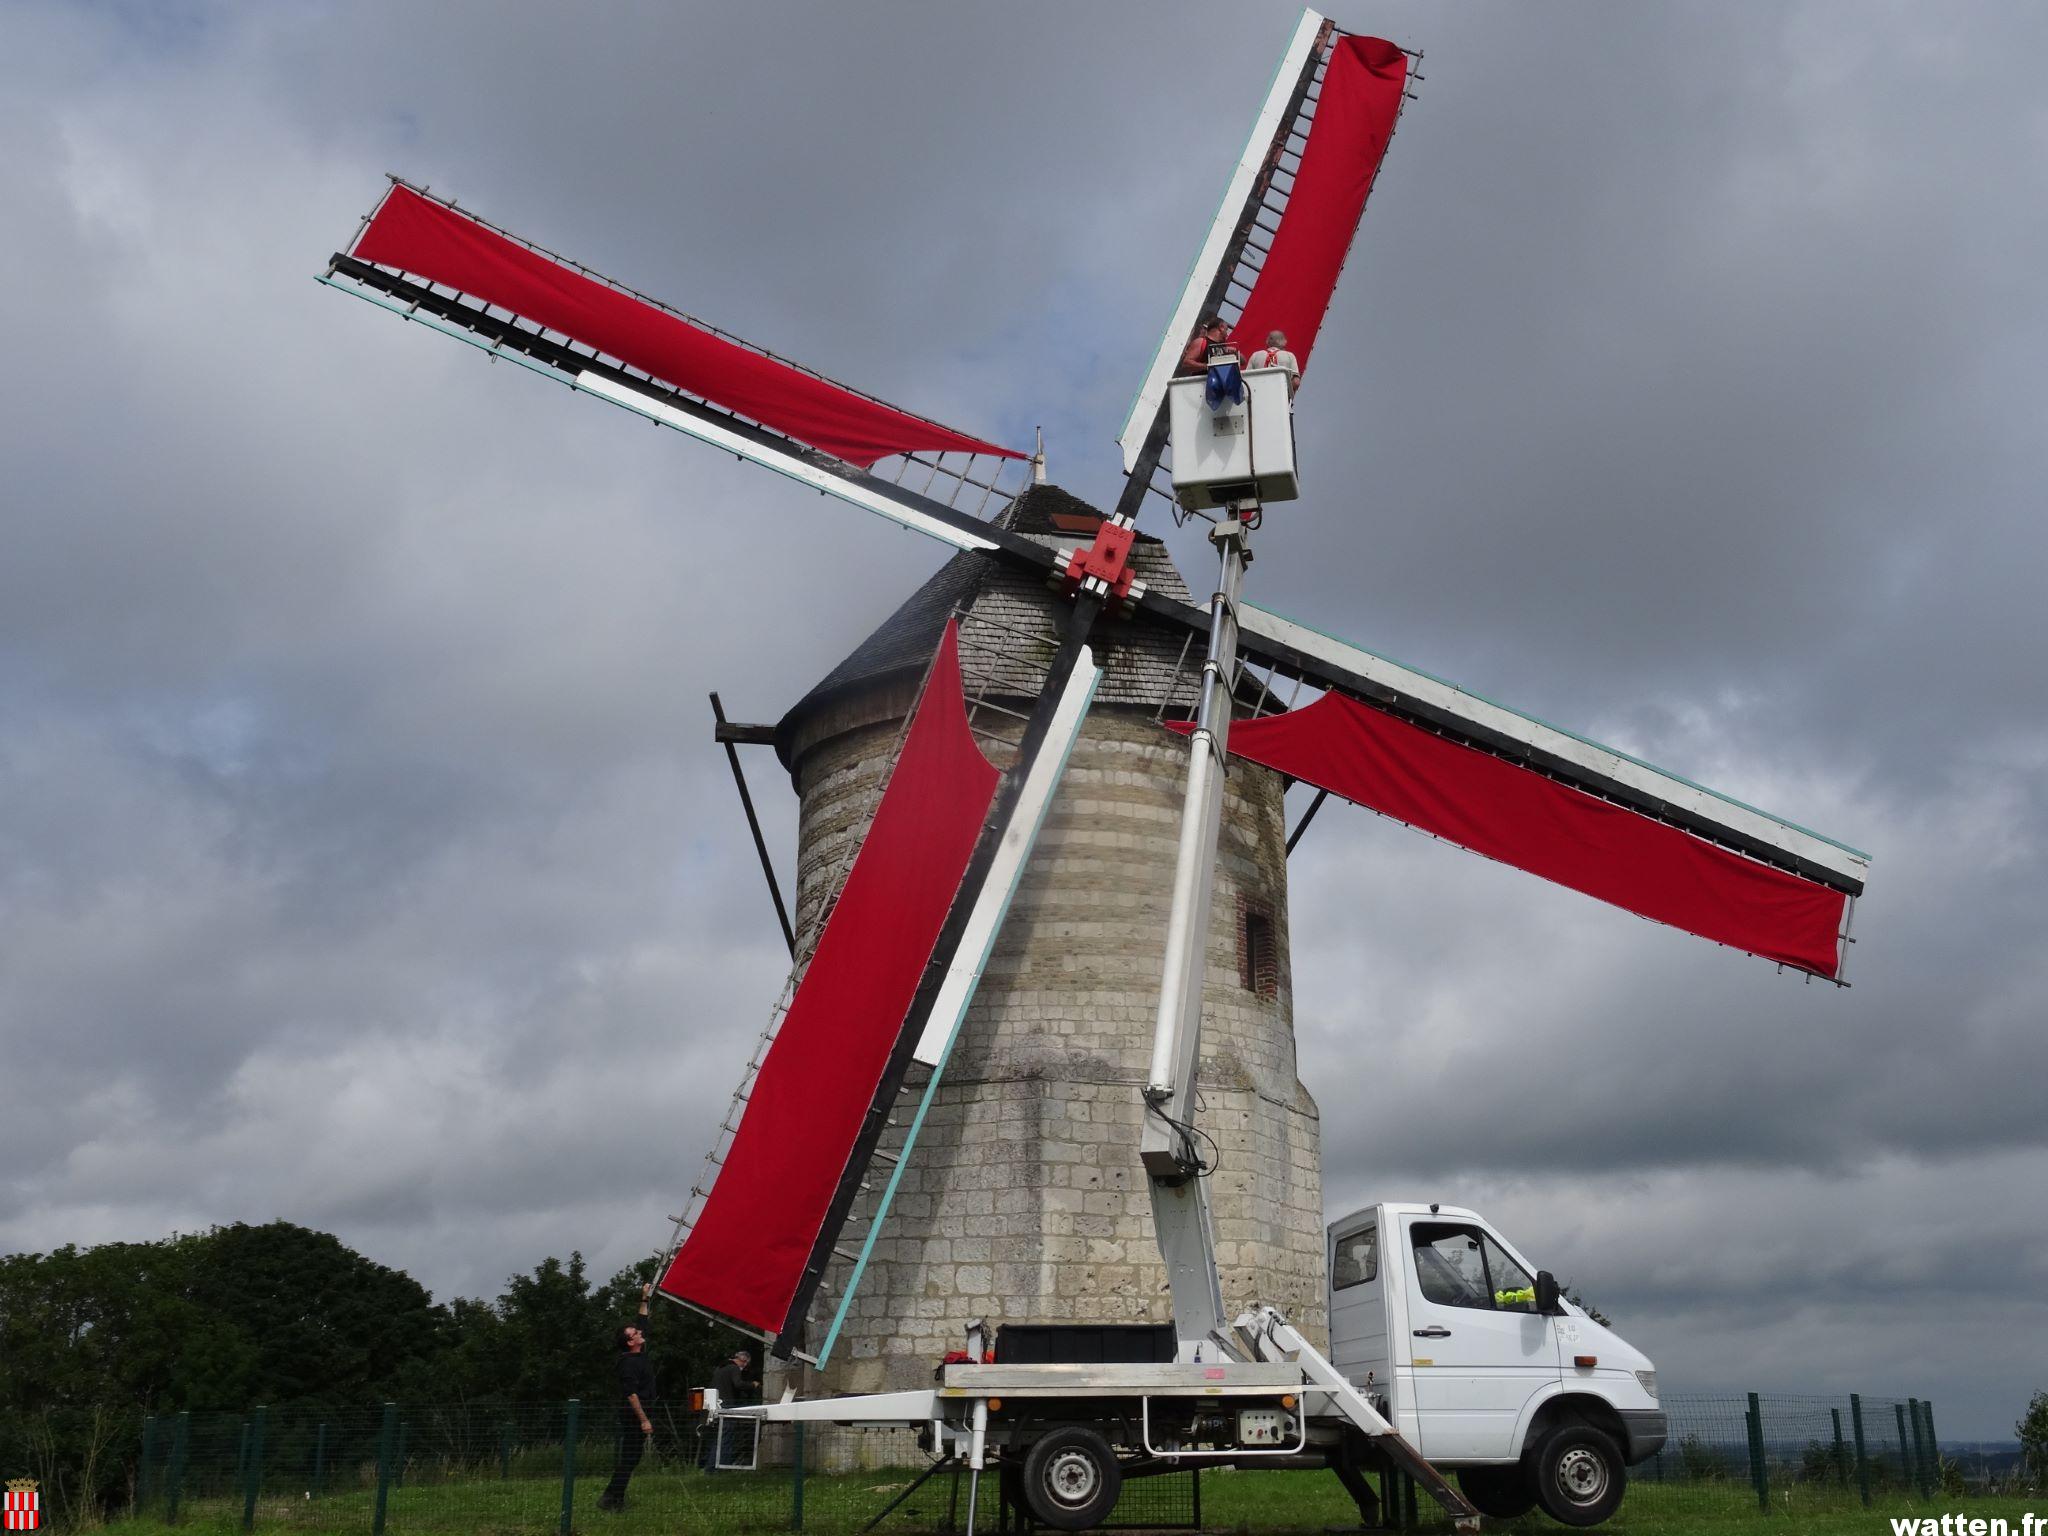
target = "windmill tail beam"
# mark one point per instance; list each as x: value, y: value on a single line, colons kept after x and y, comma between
x: 728, y: 732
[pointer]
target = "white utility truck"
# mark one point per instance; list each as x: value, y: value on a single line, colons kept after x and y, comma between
x: 1474, y: 1356
x: 1445, y: 1344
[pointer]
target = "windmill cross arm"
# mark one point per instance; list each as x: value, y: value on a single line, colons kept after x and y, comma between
x: 1320, y: 659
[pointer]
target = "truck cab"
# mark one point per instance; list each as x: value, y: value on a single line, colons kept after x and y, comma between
x: 1473, y: 1355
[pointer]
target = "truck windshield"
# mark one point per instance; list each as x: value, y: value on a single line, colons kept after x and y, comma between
x: 1460, y: 1266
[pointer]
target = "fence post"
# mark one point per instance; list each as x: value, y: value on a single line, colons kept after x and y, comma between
x: 387, y: 1436
x: 142, y: 1468
x: 252, y: 1471
x: 1933, y: 1449
x: 1921, y: 1480
x: 569, y: 1466
x: 1917, y: 1477
x: 1907, y: 1474
x: 1862, y: 1456
x: 320, y: 1458
x: 181, y: 1446
x: 1758, y: 1476
x: 796, y: 1483
x: 1408, y: 1520
x: 1841, y: 1450
x: 505, y: 1453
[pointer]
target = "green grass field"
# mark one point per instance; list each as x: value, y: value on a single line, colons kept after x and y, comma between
x: 665, y: 1500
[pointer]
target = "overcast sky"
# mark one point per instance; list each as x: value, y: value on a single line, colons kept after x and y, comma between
x: 365, y: 859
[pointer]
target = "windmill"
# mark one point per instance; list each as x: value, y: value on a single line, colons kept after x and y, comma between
x: 857, y: 1051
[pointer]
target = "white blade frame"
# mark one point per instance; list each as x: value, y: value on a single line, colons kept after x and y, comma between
x: 862, y: 496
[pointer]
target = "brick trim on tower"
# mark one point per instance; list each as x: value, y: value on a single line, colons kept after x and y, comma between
x: 1258, y: 949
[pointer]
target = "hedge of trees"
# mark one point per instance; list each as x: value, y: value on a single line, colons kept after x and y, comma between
x: 92, y: 1339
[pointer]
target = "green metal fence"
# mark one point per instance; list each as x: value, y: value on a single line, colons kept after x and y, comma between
x: 405, y: 1469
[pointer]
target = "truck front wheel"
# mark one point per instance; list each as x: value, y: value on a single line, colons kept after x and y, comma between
x: 1579, y: 1475
x: 1502, y: 1492
x: 1071, y: 1479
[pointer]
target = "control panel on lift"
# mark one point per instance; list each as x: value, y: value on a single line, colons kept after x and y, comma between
x: 1229, y: 444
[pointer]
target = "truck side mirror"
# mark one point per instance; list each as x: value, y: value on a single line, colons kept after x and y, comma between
x: 1547, y: 1295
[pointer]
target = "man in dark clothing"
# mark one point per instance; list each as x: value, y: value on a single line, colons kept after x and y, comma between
x: 636, y: 1397
x: 729, y: 1381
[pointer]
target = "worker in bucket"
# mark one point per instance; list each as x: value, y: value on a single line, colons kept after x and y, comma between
x: 729, y: 1381
x: 1274, y: 354
x: 636, y: 1397
x: 1212, y: 332
x: 1212, y: 354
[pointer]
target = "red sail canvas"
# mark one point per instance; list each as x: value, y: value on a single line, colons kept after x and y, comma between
x: 1519, y: 817
x: 744, y: 1257
x: 430, y: 240
x: 1361, y: 97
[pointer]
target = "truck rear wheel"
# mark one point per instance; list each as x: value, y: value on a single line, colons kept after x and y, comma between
x: 1502, y: 1492
x: 1579, y: 1475
x: 1071, y: 1479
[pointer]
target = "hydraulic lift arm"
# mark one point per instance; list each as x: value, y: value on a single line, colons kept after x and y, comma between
x: 1174, y: 1170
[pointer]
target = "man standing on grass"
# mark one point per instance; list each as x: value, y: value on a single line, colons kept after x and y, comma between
x: 636, y: 1397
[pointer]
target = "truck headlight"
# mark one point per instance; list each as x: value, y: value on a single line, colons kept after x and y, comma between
x: 1649, y: 1381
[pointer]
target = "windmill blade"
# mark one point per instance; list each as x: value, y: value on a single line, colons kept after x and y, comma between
x: 962, y: 953
x: 1273, y: 252
x: 436, y: 263
x: 809, y: 1105
x: 1523, y: 791
x: 1325, y: 661
x: 883, y: 995
x: 1365, y: 82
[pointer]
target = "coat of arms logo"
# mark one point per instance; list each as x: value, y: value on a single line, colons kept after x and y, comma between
x: 24, y: 1505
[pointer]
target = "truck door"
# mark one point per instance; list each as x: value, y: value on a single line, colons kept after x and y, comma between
x: 1358, y: 1309
x: 1480, y: 1349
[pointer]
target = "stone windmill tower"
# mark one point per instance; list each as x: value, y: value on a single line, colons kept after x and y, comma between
x: 1025, y: 1200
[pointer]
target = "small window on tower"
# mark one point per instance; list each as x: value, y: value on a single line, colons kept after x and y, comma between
x: 1258, y: 955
